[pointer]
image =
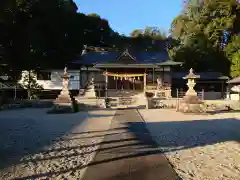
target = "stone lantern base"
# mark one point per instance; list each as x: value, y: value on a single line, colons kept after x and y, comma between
x: 64, y: 97
x: 191, y: 104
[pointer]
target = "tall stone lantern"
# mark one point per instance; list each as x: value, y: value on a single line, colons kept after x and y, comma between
x: 191, y: 103
x: 64, y: 96
x: 65, y: 102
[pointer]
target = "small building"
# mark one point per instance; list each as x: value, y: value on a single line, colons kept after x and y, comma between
x: 212, y: 84
x: 232, y: 94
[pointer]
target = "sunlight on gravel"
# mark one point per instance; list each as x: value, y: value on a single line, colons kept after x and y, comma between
x: 199, y: 147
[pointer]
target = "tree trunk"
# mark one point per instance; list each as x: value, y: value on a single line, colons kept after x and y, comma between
x: 29, y: 94
x: 29, y: 86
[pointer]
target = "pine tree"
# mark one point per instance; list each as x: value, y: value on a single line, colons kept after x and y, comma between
x: 30, y: 83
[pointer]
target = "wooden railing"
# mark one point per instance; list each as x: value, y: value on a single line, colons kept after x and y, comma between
x: 4, y: 86
x: 154, y: 86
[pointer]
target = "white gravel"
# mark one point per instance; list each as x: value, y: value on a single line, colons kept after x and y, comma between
x: 200, y: 147
x: 37, y: 145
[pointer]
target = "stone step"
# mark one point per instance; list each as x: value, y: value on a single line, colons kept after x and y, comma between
x: 125, y: 100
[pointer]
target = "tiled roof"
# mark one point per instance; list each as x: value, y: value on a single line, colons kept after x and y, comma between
x: 235, y: 80
x: 106, y: 57
x: 96, y: 57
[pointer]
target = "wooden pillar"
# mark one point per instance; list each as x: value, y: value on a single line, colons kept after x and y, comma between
x: 222, y: 83
x: 106, y: 84
x: 80, y: 80
x: 128, y: 84
x: 87, y: 74
x: 163, y: 76
x: 133, y: 83
x: 153, y: 75
x: 144, y: 81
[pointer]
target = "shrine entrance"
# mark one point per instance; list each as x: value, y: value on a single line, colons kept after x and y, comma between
x: 125, y: 81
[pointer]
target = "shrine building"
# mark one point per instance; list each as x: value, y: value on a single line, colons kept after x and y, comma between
x: 126, y: 71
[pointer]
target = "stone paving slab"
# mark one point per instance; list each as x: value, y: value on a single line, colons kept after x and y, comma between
x: 129, y: 153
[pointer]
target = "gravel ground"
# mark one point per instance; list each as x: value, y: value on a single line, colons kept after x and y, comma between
x: 36, y: 145
x: 200, y: 147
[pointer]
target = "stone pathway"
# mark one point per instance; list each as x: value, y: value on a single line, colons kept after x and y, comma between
x: 129, y: 153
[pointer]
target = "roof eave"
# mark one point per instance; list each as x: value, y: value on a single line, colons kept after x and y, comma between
x: 169, y: 63
x: 125, y: 65
x: 234, y: 81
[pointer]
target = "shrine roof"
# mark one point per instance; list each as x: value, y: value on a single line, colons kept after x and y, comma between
x: 114, y: 57
x: 235, y: 80
x: 115, y: 65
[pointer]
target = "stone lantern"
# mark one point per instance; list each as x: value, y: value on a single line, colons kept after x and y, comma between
x: 191, y: 82
x: 64, y: 97
x: 191, y: 103
x: 64, y: 103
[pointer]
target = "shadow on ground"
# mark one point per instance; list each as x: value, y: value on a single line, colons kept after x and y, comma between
x: 190, y: 134
x: 123, y: 146
x: 132, y: 140
x: 22, y: 135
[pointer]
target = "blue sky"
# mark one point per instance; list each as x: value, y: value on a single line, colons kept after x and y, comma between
x: 126, y: 15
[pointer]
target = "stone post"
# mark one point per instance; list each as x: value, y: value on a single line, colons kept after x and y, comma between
x: 106, y: 90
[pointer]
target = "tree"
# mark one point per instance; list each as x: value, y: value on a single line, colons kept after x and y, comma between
x: 26, y: 25
x: 204, y: 29
x: 154, y: 32
x: 235, y: 67
x: 136, y: 33
x: 232, y: 51
x: 30, y: 83
x: 232, y: 47
x: 46, y: 34
x: 94, y: 15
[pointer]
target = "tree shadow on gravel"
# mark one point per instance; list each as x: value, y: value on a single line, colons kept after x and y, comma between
x: 174, y: 136
x: 25, y: 135
x: 136, y: 144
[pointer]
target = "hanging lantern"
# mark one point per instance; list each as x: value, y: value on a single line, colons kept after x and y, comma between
x: 138, y: 78
x: 114, y: 78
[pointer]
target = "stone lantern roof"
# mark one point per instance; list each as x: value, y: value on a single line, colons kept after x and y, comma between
x: 191, y: 75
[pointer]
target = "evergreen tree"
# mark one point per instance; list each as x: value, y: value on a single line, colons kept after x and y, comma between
x: 30, y: 83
